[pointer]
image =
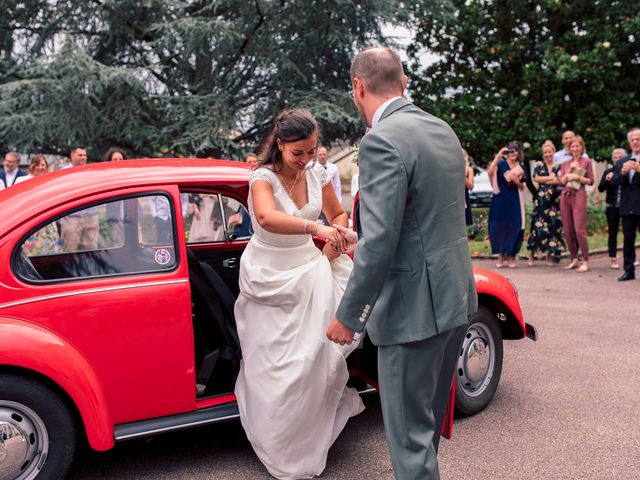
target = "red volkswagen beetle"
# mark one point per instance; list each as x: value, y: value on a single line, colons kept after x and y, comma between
x: 116, y: 310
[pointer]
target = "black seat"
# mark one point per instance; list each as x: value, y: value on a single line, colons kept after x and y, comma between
x: 216, y: 337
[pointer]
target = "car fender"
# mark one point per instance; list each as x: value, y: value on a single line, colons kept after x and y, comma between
x: 500, y: 295
x: 32, y: 347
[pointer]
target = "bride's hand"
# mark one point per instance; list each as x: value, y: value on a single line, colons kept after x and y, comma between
x: 331, y: 235
x: 330, y: 252
x: 350, y: 236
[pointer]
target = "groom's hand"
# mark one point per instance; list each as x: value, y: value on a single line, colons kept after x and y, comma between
x: 338, y: 333
x: 350, y: 236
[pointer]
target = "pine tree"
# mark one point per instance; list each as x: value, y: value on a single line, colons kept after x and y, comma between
x: 177, y: 77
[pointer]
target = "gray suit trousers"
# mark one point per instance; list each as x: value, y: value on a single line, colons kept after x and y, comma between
x: 414, y: 377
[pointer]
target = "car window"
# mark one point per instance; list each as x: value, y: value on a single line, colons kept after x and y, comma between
x: 122, y: 236
x: 214, y: 218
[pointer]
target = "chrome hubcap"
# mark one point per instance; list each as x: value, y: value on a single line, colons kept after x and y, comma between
x: 24, y: 442
x: 477, y: 360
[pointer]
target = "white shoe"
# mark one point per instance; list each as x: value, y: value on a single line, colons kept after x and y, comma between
x: 636, y: 263
x: 615, y: 266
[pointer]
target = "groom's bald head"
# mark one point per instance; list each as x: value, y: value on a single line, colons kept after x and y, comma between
x: 380, y: 69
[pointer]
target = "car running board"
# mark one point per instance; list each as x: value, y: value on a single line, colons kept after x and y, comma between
x: 183, y: 421
x: 155, y: 426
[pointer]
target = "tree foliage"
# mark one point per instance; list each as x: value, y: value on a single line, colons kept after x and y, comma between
x: 178, y: 77
x: 529, y: 70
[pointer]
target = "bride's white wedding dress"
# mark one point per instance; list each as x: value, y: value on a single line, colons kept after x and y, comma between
x: 291, y: 387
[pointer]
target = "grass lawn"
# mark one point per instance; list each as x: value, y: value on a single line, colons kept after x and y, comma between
x: 483, y: 247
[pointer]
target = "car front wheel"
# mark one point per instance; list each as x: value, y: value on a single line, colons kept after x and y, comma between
x: 37, y: 437
x: 479, y: 363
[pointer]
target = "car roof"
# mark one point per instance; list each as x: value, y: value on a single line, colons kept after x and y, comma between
x: 21, y: 201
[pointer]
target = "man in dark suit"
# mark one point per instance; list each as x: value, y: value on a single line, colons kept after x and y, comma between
x: 626, y: 174
x: 412, y: 283
x: 11, y: 171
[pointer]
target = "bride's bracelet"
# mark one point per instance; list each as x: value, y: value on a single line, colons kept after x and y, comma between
x: 313, y: 231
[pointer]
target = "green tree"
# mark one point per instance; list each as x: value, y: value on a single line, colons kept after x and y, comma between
x: 177, y: 77
x: 529, y: 70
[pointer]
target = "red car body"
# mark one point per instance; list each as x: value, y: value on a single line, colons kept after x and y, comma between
x: 117, y: 349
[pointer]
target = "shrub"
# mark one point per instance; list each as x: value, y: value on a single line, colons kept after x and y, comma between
x: 596, y: 218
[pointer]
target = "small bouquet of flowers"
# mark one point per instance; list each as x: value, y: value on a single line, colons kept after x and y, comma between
x: 575, y: 184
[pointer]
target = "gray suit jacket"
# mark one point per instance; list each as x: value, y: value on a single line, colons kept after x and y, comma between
x: 412, y: 276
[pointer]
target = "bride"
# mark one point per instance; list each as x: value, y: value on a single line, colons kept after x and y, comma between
x: 291, y: 388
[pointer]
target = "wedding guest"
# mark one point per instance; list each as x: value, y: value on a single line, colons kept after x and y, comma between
x: 354, y: 184
x: 207, y: 224
x: 563, y: 154
x: 468, y: 186
x: 79, y: 230
x: 332, y: 171
x: 161, y: 212
x: 612, y: 201
x: 506, y: 213
x: 78, y: 156
x: 11, y: 172
x: 38, y: 166
x: 574, y: 175
x: 546, y: 224
x: 114, y: 154
x: 251, y: 159
x: 114, y: 212
x: 626, y: 174
x: 45, y: 241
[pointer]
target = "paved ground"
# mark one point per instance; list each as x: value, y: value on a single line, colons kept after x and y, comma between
x: 567, y: 406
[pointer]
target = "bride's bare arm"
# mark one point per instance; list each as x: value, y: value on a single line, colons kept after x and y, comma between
x: 275, y: 221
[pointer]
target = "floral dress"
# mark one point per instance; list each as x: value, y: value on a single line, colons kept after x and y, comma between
x: 546, y: 224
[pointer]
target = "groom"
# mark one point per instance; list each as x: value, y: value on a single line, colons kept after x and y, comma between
x: 411, y: 284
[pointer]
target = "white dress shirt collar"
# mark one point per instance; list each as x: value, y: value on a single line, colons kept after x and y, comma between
x: 10, y: 176
x: 376, y: 116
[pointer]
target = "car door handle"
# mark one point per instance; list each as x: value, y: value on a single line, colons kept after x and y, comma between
x: 230, y: 262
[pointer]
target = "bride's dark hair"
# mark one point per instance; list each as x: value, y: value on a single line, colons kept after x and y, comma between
x: 289, y: 126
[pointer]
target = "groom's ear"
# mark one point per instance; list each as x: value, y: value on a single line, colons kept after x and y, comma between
x: 358, y: 87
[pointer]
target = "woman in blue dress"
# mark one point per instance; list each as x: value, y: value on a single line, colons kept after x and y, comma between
x: 506, y: 214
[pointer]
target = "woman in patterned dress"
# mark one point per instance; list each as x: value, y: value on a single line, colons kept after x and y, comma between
x: 546, y: 224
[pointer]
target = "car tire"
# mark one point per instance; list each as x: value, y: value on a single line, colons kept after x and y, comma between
x: 36, y: 429
x: 479, y: 363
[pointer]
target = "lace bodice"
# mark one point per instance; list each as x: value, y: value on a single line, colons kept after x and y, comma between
x: 316, y: 177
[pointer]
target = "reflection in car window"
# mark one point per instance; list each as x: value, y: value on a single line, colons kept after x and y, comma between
x: 123, y: 236
x: 238, y: 220
x: 215, y: 218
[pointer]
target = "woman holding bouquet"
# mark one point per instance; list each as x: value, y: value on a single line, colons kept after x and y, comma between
x: 506, y: 214
x: 574, y: 175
